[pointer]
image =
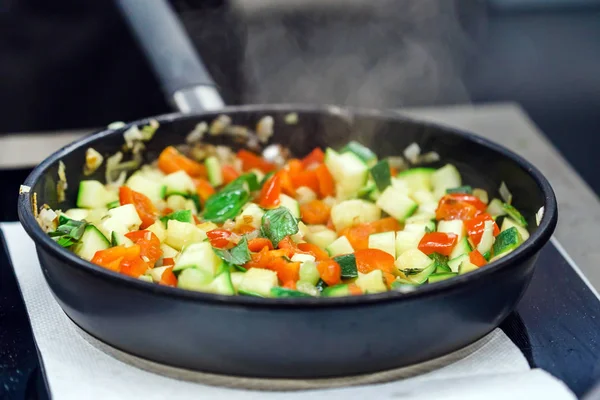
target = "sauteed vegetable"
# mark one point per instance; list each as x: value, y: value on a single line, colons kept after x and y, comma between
x: 336, y: 222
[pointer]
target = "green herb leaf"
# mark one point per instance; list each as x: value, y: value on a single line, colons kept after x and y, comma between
x: 179, y: 215
x: 239, y: 255
x: 69, y: 232
x: 441, y: 262
x: 381, y: 174
x: 277, y: 224
x: 461, y: 189
x: 249, y: 179
x: 225, y: 205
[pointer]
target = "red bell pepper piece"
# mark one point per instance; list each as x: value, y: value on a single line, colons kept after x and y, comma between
x: 476, y: 225
x: 438, y: 242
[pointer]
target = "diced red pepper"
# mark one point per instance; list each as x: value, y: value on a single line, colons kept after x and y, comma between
x: 476, y: 225
x: 450, y: 208
x: 106, y: 258
x: 315, y: 212
x: 368, y: 260
x: 134, y: 267
x: 477, y: 259
x: 270, y: 192
x: 171, y: 160
x: 326, y: 183
x: 318, y: 253
x: 314, y: 157
x: 438, y: 242
x: 251, y: 161
x: 257, y: 244
x: 204, y: 189
x: 219, y: 238
x: 143, y: 205
x: 168, y: 261
x: 470, y: 199
x: 150, y: 250
x: 330, y: 272
x: 229, y: 174
x: 168, y: 278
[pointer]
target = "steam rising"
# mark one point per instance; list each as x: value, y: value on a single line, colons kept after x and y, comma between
x: 367, y: 53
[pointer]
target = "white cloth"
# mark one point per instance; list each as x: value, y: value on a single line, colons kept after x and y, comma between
x: 79, y: 367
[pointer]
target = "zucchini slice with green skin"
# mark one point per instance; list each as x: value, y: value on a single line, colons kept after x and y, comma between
x: 384, y: 241
x: 396, y: 203
x: 347, y: 264
x: 461, y: 247
x: 381, y: 175
x: 466, y: 189
x: 340, y: 246
x: 418, y: 178
x: 423, y: 276
x: 515, y: 215
x: 372, y: 282
x: 362, y: 152
x: 506, y: 241
x: 508, y: 223
x: 445, y: 178
x: 259, y: 281
x: 91, y: 241
x: 349, y: 172
x: 337, y: 291
x: 441, y: 263
x: 181, y: 216
x: 154, y: 190
x: 441, y: 276
x: 351, y: 212
x: 309, y: 272
x: 200, y: 256
x: 222, y: 284
x: 213, y: 169
x: 496, y: 208
x: 281, y: 292
x: 194, y: 279
x: 455, y: 263
x: 179, y: 183
x: 466, y: 266
x: 93, y: 194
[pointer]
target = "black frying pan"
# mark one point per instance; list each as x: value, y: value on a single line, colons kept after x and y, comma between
x: 293, y: 337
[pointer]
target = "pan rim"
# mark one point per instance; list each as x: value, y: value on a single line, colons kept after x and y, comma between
x: 528, y: 249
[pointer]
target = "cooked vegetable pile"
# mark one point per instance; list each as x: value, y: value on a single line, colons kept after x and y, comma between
x: 334, y: 223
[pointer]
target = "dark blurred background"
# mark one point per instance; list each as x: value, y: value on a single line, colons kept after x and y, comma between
x: 71, y: 64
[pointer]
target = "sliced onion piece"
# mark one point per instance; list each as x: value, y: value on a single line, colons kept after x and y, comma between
x: 539, y: 215
x: 505, y: 193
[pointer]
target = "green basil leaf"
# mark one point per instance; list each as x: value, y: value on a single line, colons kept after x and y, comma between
x: 277, y: 224
x: 249, y: 179
x: 68, y: 232
x: 225, y: 205
x: 238, y: 255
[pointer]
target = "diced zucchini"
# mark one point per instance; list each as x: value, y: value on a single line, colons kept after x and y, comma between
x: 385, y: 241
x: 119, y: 239
x: 127, y: 216
x: 466, y: 189
x: 158, y: 228
x: 213, y: 168
x: 396, y: 204
x: 309, y: 272
x: 154, y: 189
x: 77, y: 214
x: 515, y: 215
x: 347, y: 263
x: 455, y: 226
x: 365, y: 191
x: 372, y: 282
x: 200, y: 256
x: 381, y: 174
x: 423, y: 197
x: 340, y: 290
x: 461, y: 247
x: 194, y: 279
x: 181, y: 216
x: 91, y: 241
x: 302, y: 231
x: 455, y: 263
x: 422, y: 276
x: 113, y: 204
x: 441, y: 263
x: 305, y: 195
x: 291, y: 204
x: 168, y: 251
x: 466, y: 266
x: 180, y: 234
x: 352, y: 212
x: 421, y: 218
x: 179, y: 183
x: 298, y: 257
x: 258, y: 281
x: 349, y: 172
x: 414, y: 259
x: 428, y: 226
x: 407, y: 240
x: 236, y: 279
x: 362, y: 152
x: 418, y: 179
x: 487, y: 238
x: 340, y: 246
x: 156, y: 273
x: 307, y: 287
x: 93, y: 194
x: 177, y: 202
x: 320, y: 236
x: 496, y: 208
x: 145, y: 278
x: 509, y: 223
x: 281, y: 292
x: 481, y: 195
x: 507, y: 240
x: 251, y: 215
x: 445, y: 178
x: 222, y: 284
x: 438, y: 277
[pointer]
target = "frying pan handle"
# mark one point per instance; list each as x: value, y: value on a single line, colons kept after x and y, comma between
x: 184, y: 79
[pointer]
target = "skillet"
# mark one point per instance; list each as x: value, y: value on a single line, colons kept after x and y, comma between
x: 288, y: 337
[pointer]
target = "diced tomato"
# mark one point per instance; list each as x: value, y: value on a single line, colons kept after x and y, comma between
x: 229, y: 174
x: 326, y: 183
x: 105, y: 258
x: 476, y: 258
x: 219, y: 238
x: 257, y: 244
x: 476, y: 225
x: 204, y: 189
x: 438, y: 242
x: 368, y: 260
x: 168, y: 278
x: 308, y: 179
x: 330, y: 272
x: 150, y: 250
x: 314, y: 157
x: 251, y: 161
x: 168, y: 261
x: 468, y: 198
x: 318, y: 253
x: 451, y: 208
x: 270, y: 192
x: 134, y: 267
x: 143, y: 205
x: 315, y: 212
x: 171, y: 160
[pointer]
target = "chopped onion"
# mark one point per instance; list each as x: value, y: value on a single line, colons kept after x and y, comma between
x: 149, y: 130
x: 397, y: 162
x: 481, y: 195
x: 253, y: 235
x: 430, y: 157
x: 412, y: 152
x: 539, y: 215
x: 24, y: 189
x: 264, y: 128
x: 305, y: 195
x: 229, y: 224
x: 132, y: 135
x: 197, y: 133
x: 93, y: 161
x: 61, y: 185
x: 238, y: 131
x: 291, y: 118
x: 505, y: 193
x: 330, y: 201
x: 272, y: 153
x: 47, y: 219
x: 219, y: 125
x: 116, y: 125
